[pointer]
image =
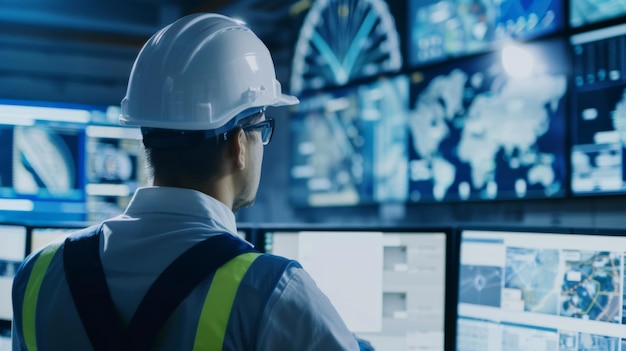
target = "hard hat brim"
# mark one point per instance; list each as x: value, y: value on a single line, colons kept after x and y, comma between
x: 285, y: 100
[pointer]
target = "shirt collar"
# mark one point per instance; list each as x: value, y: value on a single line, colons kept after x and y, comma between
x: 188, y: 202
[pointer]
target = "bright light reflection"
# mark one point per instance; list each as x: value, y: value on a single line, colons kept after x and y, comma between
x: 517, y: 61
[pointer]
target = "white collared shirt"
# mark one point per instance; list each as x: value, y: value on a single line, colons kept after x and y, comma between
x: 160, y: 223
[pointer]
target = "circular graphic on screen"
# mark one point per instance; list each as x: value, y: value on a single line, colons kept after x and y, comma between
x: 341, y: 40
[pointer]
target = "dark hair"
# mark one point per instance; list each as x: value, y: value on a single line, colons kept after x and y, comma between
x: 197, y: 161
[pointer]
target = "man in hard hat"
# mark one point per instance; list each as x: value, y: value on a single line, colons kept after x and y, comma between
x: 170, y: 272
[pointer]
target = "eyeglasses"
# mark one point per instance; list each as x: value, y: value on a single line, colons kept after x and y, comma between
x: 266, y: 127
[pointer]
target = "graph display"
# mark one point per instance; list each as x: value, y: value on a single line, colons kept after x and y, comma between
x: 115, y: 169
x: 368, y: 45
x: 349, y: 145
x: 599, y: 110
x: 489, y: 127
x: 395, y: 297
x: 442, y: 29
x: 540, y: 291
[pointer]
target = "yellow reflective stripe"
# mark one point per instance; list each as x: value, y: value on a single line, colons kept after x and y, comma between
x: 29, y: 307
x: 219, y: 301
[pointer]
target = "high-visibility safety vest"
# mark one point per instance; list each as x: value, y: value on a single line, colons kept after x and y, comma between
x: 229, y: 264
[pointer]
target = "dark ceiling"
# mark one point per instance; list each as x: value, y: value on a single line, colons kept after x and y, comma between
x: 131, y: 22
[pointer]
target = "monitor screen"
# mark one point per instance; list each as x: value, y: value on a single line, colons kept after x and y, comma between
x: 63, y: 162
x: 12, y: 253
x: 442, y: 29
x: 41, y: 236
x: 584, y: 12
x: 340, y: 42
x: 42, y: 160
x: 398, y: 276
x: 490, y: 126
x: 115, y: 169
x: 540, y: 291
x: 599, y: 111
x: 349, y: 145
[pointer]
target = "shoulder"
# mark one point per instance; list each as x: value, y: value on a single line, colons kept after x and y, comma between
x: 270, y: 260
x: 271, y: 272
x: 293, y: 285
x: 43, y: 257
x: 298, y: 315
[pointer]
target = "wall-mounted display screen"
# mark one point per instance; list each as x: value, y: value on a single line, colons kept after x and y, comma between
x: 540, y: 291
x: 349, y: 145
x: 584, y: 12
x: 66, y: 162
x: 115, y: 168
x: 12, y: 253
x: 395, y: 296
x: 599, y: 111
x: 42, y: 161
x: 439, y: 29
x: 490, y: 126
x: 341, y: 41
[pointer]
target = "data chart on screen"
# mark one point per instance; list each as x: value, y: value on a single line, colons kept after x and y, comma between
x: 115, y: 169
x: 599, y: 112
x: 440, y: 30
x: 349, y: 145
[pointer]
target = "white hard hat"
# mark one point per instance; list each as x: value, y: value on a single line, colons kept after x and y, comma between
x: 202, y: 72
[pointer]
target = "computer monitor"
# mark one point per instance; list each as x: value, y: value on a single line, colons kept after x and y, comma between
x: 490, y: 127
x: 540, y: 290
x: 368, y: 44
x: 42, y: 159
x: 349, y: 145
x: 599, y: 112
x: 389, y: 286
x: 12, y: 253
x: 439, y: 30
x: 115, y: 169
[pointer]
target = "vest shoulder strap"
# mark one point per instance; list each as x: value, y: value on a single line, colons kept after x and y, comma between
x: 31, y: 294
x: 87, y: 283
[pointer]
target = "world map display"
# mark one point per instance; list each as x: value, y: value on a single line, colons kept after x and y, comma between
x: 477, y: 133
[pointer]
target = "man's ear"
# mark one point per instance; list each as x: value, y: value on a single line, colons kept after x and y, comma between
x: 239, y: 149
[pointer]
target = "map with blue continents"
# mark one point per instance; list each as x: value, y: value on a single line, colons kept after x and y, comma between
x: 476, y: 132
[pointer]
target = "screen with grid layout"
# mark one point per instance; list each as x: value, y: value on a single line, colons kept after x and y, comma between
x: 540, y: 291
x: 388, y: 286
